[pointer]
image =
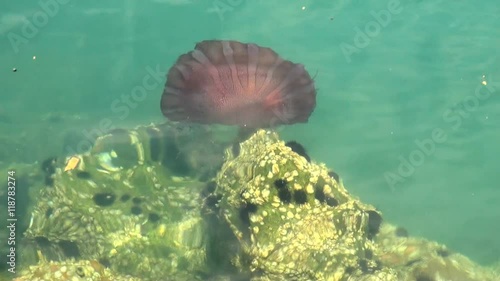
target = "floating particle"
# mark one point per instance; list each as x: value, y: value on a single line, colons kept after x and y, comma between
x: 484, y: 82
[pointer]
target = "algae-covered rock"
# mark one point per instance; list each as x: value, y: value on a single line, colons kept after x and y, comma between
x: 293, y: 220
x: 17, y: 198
x: 121, y: 203
x: 421, y: 259
x: 139, y: 203
x: 84, y: 270
x: 175, y: 251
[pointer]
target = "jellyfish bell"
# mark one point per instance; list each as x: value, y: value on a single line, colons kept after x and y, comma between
x: 233, y: 83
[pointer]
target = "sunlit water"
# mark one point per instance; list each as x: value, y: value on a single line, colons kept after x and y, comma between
x: 408, y: 92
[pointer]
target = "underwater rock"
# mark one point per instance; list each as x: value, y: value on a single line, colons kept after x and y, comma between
x: 115, y: 203
x: 29, y: 182
x: 176, y: 250
x: 85, y: 218
x: 89, y: 270
x: 421, y: 259
x: 270, y: 201
x: 269, y: 214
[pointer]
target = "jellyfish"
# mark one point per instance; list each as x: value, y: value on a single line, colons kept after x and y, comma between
x: 241, y: 84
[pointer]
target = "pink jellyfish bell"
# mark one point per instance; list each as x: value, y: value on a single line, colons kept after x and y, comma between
x: 233, y: 83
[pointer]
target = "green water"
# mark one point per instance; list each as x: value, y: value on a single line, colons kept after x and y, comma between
x: 426, y: 76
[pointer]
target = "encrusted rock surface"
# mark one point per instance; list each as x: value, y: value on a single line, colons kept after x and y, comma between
x: 293, y: 220
x: 421, y: 259
x: 123, y: 206
x: 125, y: 209
x: 71, y: 270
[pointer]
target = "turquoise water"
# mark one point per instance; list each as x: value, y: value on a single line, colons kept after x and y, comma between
x: 407, y: 107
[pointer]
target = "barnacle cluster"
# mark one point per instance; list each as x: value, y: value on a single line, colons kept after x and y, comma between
x: 293, y: 220
x: 420, y: 259
x: 122, y: 205
x: 142, y: 205
x: 89, y: 270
